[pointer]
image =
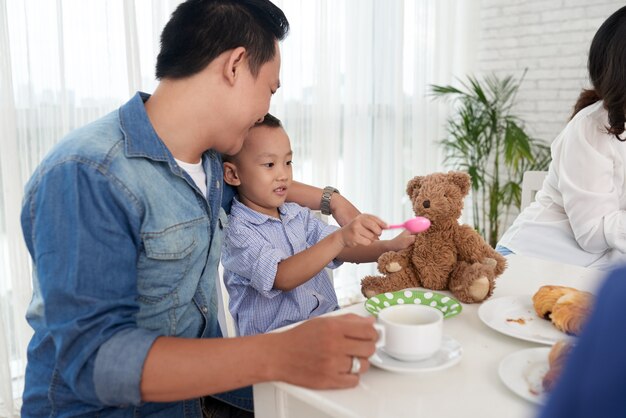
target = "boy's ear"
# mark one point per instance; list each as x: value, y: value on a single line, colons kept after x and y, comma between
x: 230, y: 174
x: 235, y: 64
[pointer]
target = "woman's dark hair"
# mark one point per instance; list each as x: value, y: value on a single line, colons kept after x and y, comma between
x: 607, y: 72
x: 200, y: 30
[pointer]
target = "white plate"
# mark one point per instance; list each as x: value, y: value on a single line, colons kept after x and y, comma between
x: 516, y: 317
x: 448, y: 355
x: 523, y: 371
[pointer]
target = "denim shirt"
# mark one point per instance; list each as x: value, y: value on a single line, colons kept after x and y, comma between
x: 125, y: 248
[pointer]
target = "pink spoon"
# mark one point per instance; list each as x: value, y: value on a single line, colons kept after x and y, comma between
x: 414, y: 225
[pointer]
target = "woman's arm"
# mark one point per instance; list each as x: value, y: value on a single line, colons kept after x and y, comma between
x: 590, y: 183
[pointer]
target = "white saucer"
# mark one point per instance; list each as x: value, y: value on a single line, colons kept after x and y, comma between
x: 448, y: 355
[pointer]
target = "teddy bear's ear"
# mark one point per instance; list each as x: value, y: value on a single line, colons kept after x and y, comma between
x: 462, y: 180
x: 414, y: 184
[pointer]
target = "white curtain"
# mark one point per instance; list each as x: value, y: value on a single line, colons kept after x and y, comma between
x: 354, y: 100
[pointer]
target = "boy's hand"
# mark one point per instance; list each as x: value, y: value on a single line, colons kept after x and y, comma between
x: 401, y: 241
x: 362, y: 230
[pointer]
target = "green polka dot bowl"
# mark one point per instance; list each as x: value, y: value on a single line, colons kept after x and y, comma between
x: 447, y: 305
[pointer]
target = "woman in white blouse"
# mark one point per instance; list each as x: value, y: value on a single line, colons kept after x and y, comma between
x: 579, y: 215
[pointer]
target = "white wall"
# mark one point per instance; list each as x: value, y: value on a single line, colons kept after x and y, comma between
x: 549, y: 37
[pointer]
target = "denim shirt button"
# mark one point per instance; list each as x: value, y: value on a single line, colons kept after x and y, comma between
x: 217, y: 184
x: 205, y: 309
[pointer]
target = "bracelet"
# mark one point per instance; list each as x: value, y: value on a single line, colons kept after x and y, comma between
x: 325, y: 203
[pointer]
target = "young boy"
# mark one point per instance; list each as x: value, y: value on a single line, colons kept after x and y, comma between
x: 275, y: 253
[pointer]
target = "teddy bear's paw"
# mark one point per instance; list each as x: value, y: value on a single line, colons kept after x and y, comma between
x: 370, y: 286
x: 479, y: 289
x: 393, y: 267
x: 490, y: 262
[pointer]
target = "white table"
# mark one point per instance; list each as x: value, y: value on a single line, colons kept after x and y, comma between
x: 471, y: 388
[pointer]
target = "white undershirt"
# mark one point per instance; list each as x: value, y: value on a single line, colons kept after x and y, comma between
x: 196, y: 172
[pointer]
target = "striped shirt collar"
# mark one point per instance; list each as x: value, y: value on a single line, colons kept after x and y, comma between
x: 287, y: 212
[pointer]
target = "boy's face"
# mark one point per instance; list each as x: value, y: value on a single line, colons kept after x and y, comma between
x: 262, y: 169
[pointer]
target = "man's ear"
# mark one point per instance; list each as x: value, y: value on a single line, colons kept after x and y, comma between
x: 230, y: 174
x: 235, y: 64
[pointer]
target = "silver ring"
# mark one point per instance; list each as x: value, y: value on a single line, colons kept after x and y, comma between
x: 356, y: 365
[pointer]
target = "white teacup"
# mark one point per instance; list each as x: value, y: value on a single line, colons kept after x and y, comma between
x: 410, y: 332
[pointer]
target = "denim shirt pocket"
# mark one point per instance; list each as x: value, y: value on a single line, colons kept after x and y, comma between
x: 165, y: 262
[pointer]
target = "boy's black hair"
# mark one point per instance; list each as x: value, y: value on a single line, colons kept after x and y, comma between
x: 200, y: 30
x: 268, y: 120
x: 271, y: 121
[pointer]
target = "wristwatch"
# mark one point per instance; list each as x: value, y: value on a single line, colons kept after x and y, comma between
x: 325, y: 203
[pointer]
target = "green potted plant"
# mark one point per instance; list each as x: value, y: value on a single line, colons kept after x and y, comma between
x: 488, y: 141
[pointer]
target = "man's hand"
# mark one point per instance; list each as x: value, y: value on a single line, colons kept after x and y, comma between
x: 401, y: 241
x: 342, y: 210
x: 318, y: 354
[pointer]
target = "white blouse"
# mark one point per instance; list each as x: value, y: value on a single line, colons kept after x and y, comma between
x: 578, y: 216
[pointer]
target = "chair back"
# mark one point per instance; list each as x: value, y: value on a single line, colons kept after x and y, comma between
x: 225, y: 319
x: 531, y: 184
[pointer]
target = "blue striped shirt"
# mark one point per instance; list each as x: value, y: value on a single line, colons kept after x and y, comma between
x: 254, y: 244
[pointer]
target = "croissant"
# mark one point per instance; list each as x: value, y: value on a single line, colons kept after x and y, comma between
x: 571, y: 310
x: 556, y: 361
x: 546, y: 297
x: 558, y: 352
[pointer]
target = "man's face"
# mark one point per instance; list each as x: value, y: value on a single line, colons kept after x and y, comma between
x: 254, y: 94
x: 263, y: 169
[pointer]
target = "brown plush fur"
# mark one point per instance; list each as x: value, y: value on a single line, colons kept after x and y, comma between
x: 446, y: 256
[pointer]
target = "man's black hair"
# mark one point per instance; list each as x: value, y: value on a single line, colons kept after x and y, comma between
x: 201, y: 30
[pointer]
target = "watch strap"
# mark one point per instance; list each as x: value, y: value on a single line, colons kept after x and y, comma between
x: 325, y: 203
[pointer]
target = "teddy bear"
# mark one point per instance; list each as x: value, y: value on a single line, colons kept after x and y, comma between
x: 448, y: 255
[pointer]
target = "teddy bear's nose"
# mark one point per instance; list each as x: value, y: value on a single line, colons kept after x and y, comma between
x: 426, y: 204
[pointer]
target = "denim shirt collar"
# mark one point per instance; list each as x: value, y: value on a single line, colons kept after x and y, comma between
x: 140, y: 137
x: 286, y: 211
x: 142, y: 141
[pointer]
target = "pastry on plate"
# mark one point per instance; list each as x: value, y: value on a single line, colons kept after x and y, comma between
x: 556, y: 361
x: 546, y: 297
x: 570, y: 312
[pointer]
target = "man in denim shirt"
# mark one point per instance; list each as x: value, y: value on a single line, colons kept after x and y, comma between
x: 125, y: 243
